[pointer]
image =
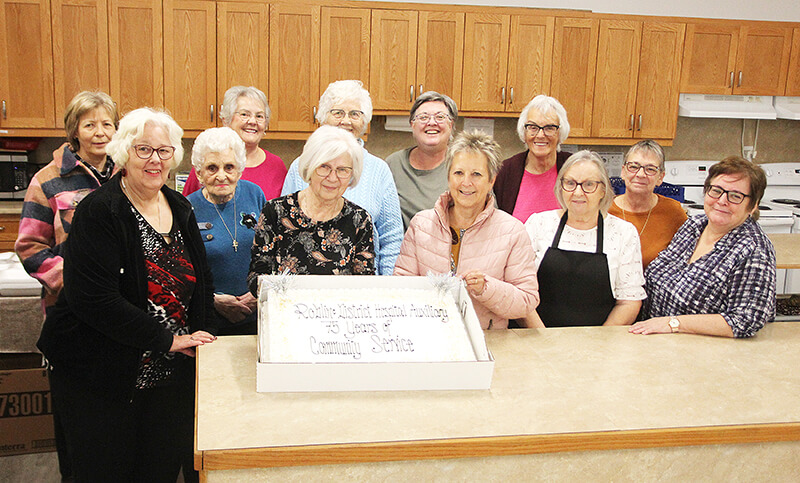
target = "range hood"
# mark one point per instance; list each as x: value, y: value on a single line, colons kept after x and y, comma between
x: 787, y: 107
x: 727, y: 107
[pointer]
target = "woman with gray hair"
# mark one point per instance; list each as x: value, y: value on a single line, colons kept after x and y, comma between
x: 246, y: 111
x: 464, y: 234
x: 346, y: 104
x: 316, y: 230
x: 227, y: 209
x: 589, y: 262
x: 137, y: 300
x: 525, y: 184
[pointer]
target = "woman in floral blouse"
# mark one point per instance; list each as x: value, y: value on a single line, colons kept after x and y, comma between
x: 317, y: 231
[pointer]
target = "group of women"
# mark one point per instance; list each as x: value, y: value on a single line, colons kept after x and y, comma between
x: 148, y: 275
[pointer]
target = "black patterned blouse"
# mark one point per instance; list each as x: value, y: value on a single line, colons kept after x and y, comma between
x: 288, y: 240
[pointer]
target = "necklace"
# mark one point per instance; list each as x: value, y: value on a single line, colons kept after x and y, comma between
x: 232, y: 235
x: 158, y: 207
x: 645, y: 221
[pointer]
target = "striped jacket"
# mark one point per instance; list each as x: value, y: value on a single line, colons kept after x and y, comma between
x: 47, y: 212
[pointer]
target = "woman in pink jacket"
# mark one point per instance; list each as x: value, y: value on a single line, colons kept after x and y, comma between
x: 466, y: 235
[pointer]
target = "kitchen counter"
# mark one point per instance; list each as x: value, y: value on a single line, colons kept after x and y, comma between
x: 20, y: 323
x: 787, y: 249
x: 597, y: 402
x: 8, y: 207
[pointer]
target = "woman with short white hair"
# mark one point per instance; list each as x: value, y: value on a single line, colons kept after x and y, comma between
x: 246, y: 111
x: 316, y: 230
x: 346, y: 104
x: 227, y: 209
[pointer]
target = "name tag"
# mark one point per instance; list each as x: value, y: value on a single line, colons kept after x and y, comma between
x: 204, y: 225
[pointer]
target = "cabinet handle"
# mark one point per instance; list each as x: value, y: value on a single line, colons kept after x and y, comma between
x: 511, y: 96
x: 730, y: 82
x: 4, y: 109
x: 314, y: 114
x: 420, y: 89
x: 212, y: 113
x: 631, y: 128
x: 411, y: 94
x: 502, y: 95
x: 2, y: 228
x: 640, y: 123
x: 740, y: 79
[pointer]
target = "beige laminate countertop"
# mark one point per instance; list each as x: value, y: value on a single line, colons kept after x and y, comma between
x: 553, y: 390
x: 787, y: 249
x: 10, y: 207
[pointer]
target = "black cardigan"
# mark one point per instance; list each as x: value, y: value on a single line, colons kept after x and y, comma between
x: 99, y: 327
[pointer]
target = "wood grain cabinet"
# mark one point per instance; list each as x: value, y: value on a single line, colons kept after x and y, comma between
x: 793, y: 81
x: 344, y: 48
x: 752, y: 59
x: 413, y: 52
x: 9, y: 226
x: 572, y: 80
x: 637, y: 81
x: 26, y: 65
x: 507, y: 61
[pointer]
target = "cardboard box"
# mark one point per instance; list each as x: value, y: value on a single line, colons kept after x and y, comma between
x: 26, y: 412
x: 384, y: 376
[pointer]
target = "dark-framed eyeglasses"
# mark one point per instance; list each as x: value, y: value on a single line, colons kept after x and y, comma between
x: 244, y: 116
x: 589, y: 186
x: 735, y: 197
x: 342, y: 172
x: 649, y: 169
x: 549, y: 130
x: 354, y: 115
x: 144, y: 151
x: 438, y: 118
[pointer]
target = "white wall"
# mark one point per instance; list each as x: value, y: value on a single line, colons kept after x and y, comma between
x: 781, y: 10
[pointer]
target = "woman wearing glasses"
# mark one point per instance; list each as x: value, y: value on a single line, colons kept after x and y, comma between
x: 717, y: 276
x: 245, y: 110
x: 316, y: 230
x: 589, y: 262
x: 525, y: 183
x: 137, y: 300
x: 655, y: 217
x: 346, y: 104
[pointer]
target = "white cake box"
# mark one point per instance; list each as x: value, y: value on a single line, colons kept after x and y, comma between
x: 374, y: 376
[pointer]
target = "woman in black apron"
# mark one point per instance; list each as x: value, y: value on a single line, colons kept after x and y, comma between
x: 582, y: 252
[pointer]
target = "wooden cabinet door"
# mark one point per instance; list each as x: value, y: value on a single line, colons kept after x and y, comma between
x: 440, y: 49
x: 242, y: 63
x: 345, y: 46
x: 136, y: 59
x: 26, y: 64
x: 530, y: 59
x: 762, y: 60
x: 190, y: 59
x: 9, y: 229
x: 659, y: 80
x: 793, y: 80
x: 293, y: 66
x: 618, y: 49
x: 393, y: 58
x: 709, y: 58
x: 574, y: 60
x: 80, y: 49
x: 485, y: 62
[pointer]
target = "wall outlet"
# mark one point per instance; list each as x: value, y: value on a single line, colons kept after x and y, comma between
x: 748, y: 152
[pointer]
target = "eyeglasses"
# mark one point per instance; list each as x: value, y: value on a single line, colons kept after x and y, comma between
x: 588, y: 186
x: 735, y: 197
x: 342, y: 172
x: 144, y: 151
x: 438, y: 118
x: 244, y: 116
x: 533, y: 129
x: 649, y: 169
x: 339, y: 114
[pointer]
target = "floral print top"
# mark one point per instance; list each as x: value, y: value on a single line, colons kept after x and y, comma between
x: 286, y: 240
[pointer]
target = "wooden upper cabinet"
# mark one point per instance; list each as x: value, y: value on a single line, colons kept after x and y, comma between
x: 80, y: 49
x: 26, y: 65
x: 762, y: 60
x: 293, y: 69
x: 345, y: 46
x: 190, y: 80
x: 728, y: 59
x: 242, y: 63
x: 486, y: 39
x: 136, y: 54
x: 439, y: 49
x: 393, y: 55
x: 530, y: 59
x: 793, y: 81
x: 638, y: 74
x: 574, y: 60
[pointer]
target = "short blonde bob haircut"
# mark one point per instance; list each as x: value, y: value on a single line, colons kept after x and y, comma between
x: 131, y: 127
x: 218, y: 140
x: 82, y: 103
x: 476, y: 141
x: 326, y: 144
x: 590, y: 157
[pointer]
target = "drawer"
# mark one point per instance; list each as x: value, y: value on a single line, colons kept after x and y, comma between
x: 9, y: 227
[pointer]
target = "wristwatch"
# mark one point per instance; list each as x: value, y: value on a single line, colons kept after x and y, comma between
x: 674, y: 324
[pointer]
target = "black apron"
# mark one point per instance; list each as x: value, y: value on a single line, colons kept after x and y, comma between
x: 574, y: 287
